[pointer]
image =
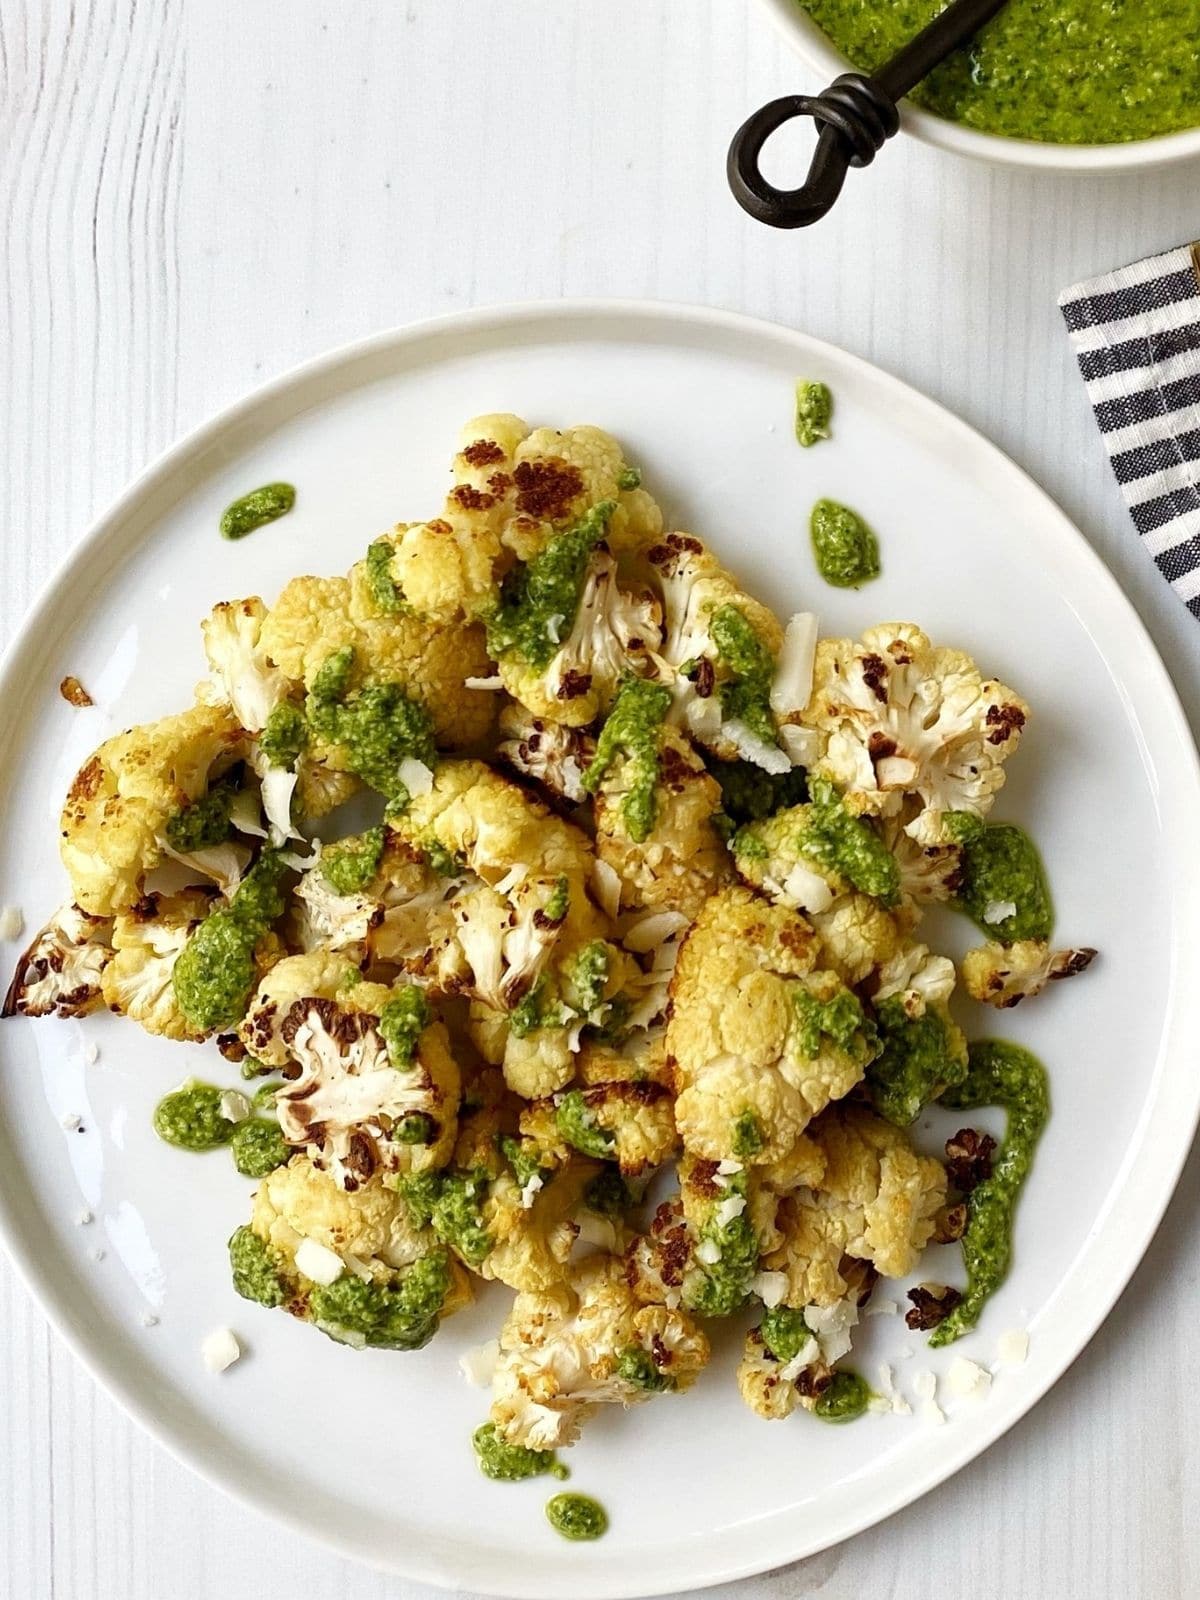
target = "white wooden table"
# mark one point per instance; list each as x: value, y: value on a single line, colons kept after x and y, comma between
x: 195, y: 196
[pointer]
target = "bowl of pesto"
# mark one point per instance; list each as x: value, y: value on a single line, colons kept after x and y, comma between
x: 1062, y: 85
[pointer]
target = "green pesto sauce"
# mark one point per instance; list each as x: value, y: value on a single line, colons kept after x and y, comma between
x: 536, y: 592
x: 257, y: 1269
x: 510, y: 1463
x: 784, y: 1333
x: 577, y: 1516
x: 452, y: 1204
x: 747, y: 696
x: 916, y: 1062
x: 720, y: 1288
x: 190, y: 1118
x: 846, y: 551
x: 589, y: 974
x: 559, y: 903
x: 258, y: 1147
x: 349, y: 865
x: 1063, y: 71
x: 814, y: 407
x: 285, y: 735
x: 402, y: 1020
x: 747, y: 1135
x: 377, y: 727
x: 577, y: 1123
x: 203, y: 823
x: 843, y: 843
x: 840, y: 1019
x: 629, y: 478
x: 748, y: 794
x: 215, y: 975
x: 538, y: 1009
x: 402, y: 1315
x: 632, y: 731
x: 255, y: 510
x: 1000, y: 1074
x: 607, y: 1194
x: 845, y: 1399
x: 380, y: 582
x: 1000, y: 862
x: 525, y: 1160
x: 636, y: 1365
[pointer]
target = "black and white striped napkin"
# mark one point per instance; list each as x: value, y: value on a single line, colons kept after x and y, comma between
x: 1136, y: 334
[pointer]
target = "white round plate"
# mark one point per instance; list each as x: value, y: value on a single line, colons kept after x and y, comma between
x: 369, y: 1452
x: 817, y: 50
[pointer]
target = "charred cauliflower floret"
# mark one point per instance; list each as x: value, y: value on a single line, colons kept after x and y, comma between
x: 351, y: 1263
x: 721, y: 648
x: 319, y: 974
x: 552, y: 755
x: 922, y: 1049
x: 729, y: 1214
x: 807, y: 856
x: 147, y: 940
x: 377, y: 1088
x: 788, y: 1360
x: 241, y: 674
x: 582, y: 1345
x: 62, y: 971
x: 1004, y: 975
x: 900, y: 719
x: 122, y: 798
x: 761, y: 1042
x: 655, y: 809
x: 628, y: 1122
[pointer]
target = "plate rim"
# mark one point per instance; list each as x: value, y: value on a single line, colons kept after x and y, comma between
x: 1175, y: 1137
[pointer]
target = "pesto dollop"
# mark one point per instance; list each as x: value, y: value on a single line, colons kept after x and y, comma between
x: 918, y: 1059
x: 377, y: 727
x: 576, y: 1121
x: 1000, y: 1074
x: 746, y: 696
x: 747, y: 1135
x: 748, y: 794
x: 636, y: 1366
x: 402, y: 1020
x: 814, y: 407
x: 577, y: 1516
x: 1065, y: 71
x: 204, y: 822
x: 510, y: 1463
x: 589, y: 974
x: 451, y: 1203
x: 1001, y: 865
x: 258, y: 1147
x: 215, y: 975
x: 631, y: 730
x: 190, y: 1118
x: 349, y: 865
x: 784, y: 1333
x: 840, y: 1019
x: 257, y: 1269
x: 720, y: 1287
x: 539, y: 598
x: 844, y: 1399
x: 845, y: 844
x: 846, y: 551
x: 284, y: 736
x: 256, y: 509
x: 380, y: 582
x: 402, y: 1315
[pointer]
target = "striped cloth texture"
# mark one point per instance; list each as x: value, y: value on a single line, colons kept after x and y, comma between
x: 1136, y: 335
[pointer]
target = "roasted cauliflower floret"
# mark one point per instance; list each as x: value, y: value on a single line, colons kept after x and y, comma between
x: 319, y: 974
x: 720, y: 649
x: 1004, y: 975
x: 368, y: 1227
x: 808, y: 855
x: 900, y: 718
x: 922, y: 1049
x: 788, y: 1360
x: 628, y: 1122
x: 147, y: 940
x: 241, y: 675
x: 554, y: 756
x: 62, y: 971
x: 123, y: 796
x: 858, y: 935
x: 730, y: 1220
x: 655, y: 810
x: 586, y: 1344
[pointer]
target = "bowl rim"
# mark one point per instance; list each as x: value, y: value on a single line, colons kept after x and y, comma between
x: 807, y: 39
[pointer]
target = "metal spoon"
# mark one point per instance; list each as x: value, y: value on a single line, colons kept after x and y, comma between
x: 856, y: 115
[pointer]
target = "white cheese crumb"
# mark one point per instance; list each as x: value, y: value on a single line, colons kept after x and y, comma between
x: 72, y: 1122
x: 416, y: 777
x: 234, y: 1106
x: 967, y: 1377
x: 314, y: 1261
x: 220, y: 1350
x: 529, y: 1192
x: 807, y: 890
x: 11, y: 922
x: 755, y: 750
x: 96, y: 1253
x: 82, y: 1218
x: 808, y: 1352
x: 881, y: 1308
x: 479, y: 1363
x: 727, y: 1167
x: 792, y: 688
x: 1012, y: 1347
x: 925, y: 1389
x: 731, y: 1207
x: 598, y: 1232
x: 606, y: 888
x: 149, y: 1320
x: 770, y: 1287
x: 708, y: 1251
x: 648, y: 933
x: 494, y: 682
x: 999, y: 910
x: 91, y: 1053
x: 894, y: 1401
x: 803, y: 745
x: 554, y: 627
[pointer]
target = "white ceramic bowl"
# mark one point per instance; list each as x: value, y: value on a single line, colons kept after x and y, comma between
x: 813, y: 46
